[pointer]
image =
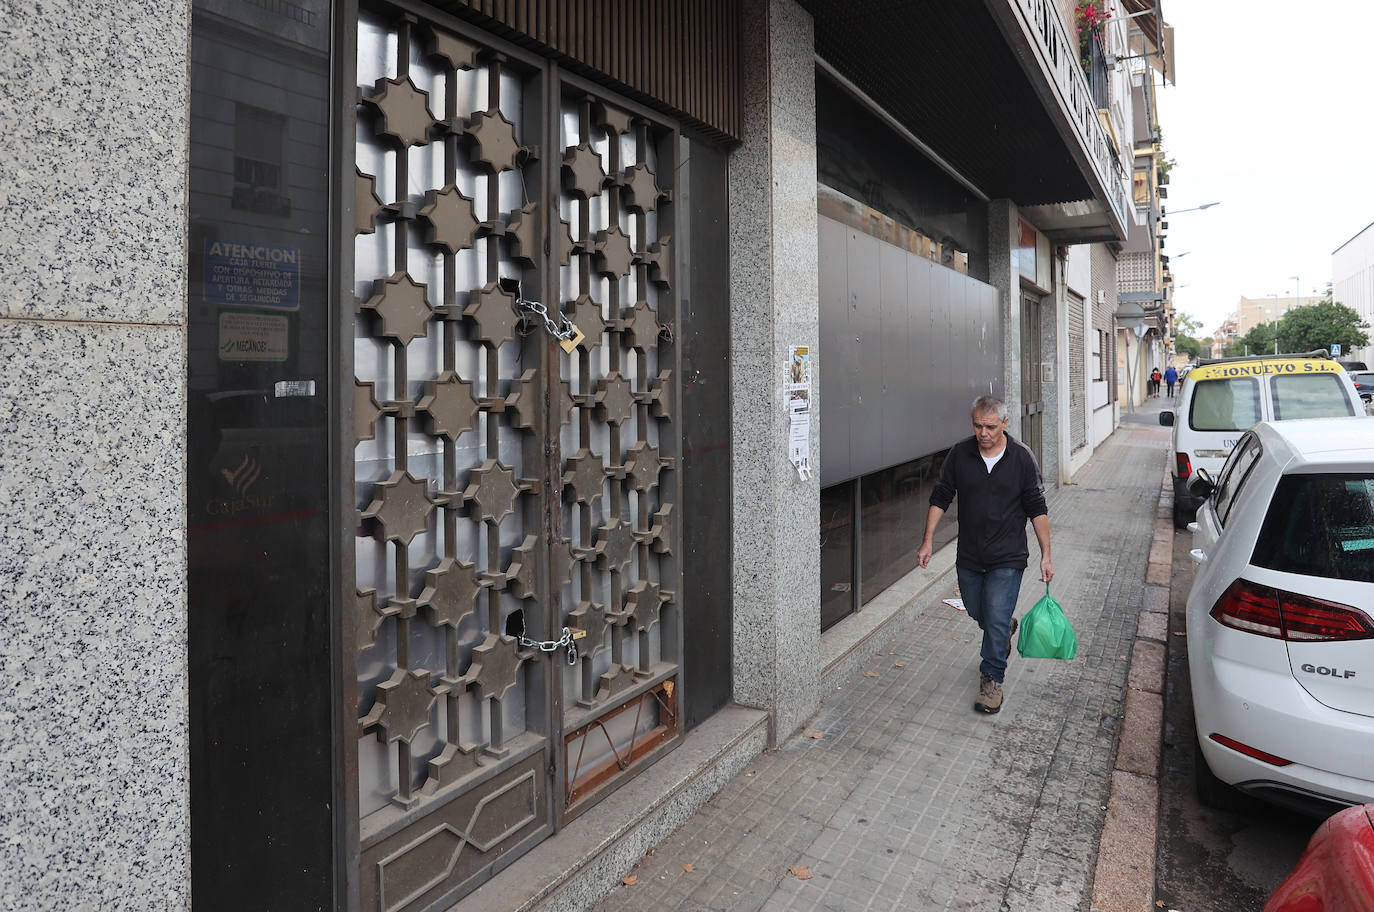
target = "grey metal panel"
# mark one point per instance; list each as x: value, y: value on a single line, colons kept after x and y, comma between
x: 956, y: 424
x: 895, y: 361
x: 865, y: 321
x: 993, y: 349
x: 920, y: 324
x: 836, y: 355
x: 907, y: 344
x: 948, y: 365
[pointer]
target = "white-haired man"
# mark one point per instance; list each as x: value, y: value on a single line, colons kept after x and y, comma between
x: 999, y: 487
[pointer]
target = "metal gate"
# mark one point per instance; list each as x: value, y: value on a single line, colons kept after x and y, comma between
x: 519, y: 637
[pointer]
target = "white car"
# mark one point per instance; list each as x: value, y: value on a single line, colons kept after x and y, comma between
x: 1220, y: 400
x: 1280, y: 633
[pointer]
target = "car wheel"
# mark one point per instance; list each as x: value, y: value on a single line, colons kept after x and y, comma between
x: 1181, y: 517
x: 1211, y: 791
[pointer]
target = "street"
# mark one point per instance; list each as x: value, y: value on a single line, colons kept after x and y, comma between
x: 1209, y: 859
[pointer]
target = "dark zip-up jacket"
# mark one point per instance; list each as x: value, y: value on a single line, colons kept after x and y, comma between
x: 993, y: 506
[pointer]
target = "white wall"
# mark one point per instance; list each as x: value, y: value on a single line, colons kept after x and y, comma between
x: 1352, y: 282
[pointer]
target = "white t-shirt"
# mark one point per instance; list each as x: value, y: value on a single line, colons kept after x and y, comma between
x: 991, y: 461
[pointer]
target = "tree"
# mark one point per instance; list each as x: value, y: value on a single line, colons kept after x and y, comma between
x: 1187, y: 345
x: 1258, y: 341
x: 1185, y: 324
x: 1321, y: 325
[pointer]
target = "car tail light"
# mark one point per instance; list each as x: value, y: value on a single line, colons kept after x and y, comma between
x: 1254, y: 609
x: 1249, y: 751
x: 1306, y: 618
x: 1283, y: 615
x: 1183, y: 466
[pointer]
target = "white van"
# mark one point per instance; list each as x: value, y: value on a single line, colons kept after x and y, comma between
x: 1221, y: 400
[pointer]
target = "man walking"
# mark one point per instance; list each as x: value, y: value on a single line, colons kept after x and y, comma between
x: 1171, y: 377
x: 999, y: 487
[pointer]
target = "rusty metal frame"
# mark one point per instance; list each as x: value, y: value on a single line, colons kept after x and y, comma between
x: 578, y: 786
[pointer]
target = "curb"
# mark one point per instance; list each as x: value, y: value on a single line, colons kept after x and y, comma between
x: 1124, y: 880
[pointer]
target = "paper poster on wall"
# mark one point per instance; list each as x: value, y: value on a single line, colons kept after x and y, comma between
x: 799, y: 409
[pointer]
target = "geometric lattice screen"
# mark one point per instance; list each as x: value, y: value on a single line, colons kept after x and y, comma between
x: 517, y: 495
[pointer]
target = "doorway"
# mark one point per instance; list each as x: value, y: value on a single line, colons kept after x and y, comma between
x: 1032, y: 401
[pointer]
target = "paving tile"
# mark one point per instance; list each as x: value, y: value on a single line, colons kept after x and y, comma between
x: 912, y: 800
x: 1140, y: 731
x: 1147, y: 666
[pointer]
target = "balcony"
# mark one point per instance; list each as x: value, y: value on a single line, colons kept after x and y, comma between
x: 995, y: 89
x: 1077, y: 99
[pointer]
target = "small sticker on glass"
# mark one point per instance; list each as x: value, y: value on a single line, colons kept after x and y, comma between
x: 287, y: 388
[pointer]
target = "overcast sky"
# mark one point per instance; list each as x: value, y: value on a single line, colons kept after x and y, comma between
x: 1272, y: 117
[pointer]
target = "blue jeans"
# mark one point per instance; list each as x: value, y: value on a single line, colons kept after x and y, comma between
x: 990, y: 599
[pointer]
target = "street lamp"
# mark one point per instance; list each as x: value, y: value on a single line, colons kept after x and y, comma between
x: 1297, y: 292
x: 1194, y: 208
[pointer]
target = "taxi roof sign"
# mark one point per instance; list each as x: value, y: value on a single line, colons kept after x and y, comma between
x: 1265, y: 367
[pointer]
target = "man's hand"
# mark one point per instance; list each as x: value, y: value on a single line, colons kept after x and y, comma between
x: 928, y: 541
x: 1046, y: 569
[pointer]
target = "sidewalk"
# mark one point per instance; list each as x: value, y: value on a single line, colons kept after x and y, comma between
x: 898, y: 796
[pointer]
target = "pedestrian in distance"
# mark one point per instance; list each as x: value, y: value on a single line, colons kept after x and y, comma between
x: 1154, y: 382
x: 999, y: 487
x: 1170, y: 378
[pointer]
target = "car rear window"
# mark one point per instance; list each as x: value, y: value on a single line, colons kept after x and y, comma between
x: 1320, y: 525
x: 1225, y: 405
x: 1309, y: 396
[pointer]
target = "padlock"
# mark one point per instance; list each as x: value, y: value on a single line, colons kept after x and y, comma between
x: 570, y: 344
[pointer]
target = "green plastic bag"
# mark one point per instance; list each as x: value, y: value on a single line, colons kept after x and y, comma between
x: 1045, y: 632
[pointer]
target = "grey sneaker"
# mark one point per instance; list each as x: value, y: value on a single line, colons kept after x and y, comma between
x: 1011, y: 635
x: 989, y: 696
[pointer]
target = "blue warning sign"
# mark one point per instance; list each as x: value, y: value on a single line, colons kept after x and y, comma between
x: 252, y: 275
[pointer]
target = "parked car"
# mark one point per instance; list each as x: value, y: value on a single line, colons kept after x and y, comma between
x: 1364, y: 384
x: 1336, y: 871
x: 1220, y: 400
x: 1280, y: 639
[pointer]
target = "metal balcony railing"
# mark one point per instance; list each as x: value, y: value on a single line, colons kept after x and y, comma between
x: 1097, y: 71
x: 1060, y: 57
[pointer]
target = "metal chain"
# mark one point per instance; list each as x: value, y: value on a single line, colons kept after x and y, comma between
x: 553, y: 645
x: 561, y: 329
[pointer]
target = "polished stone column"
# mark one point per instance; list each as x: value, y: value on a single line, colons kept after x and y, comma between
x: 774, y: 305
x: 93, y: 711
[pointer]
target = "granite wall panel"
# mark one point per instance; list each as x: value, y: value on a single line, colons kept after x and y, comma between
x: 93, y: 740
x: 773, y: 305
x: 93, y: 715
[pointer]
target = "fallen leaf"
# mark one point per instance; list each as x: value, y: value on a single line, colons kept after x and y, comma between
x: 814, y: 735
x: 1160, y: 903
x: 899, y: 664
x: 688, y: 868
x: 629, y: 880
x: 801, y: 872
x: 870, y: 674
x: 1180, y: 633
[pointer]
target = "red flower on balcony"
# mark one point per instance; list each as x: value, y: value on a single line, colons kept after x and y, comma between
x: 1089, y: 17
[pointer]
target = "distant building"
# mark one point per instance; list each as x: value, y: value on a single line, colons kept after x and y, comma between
x: 1352, y: 281
x: 1252, y: 312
